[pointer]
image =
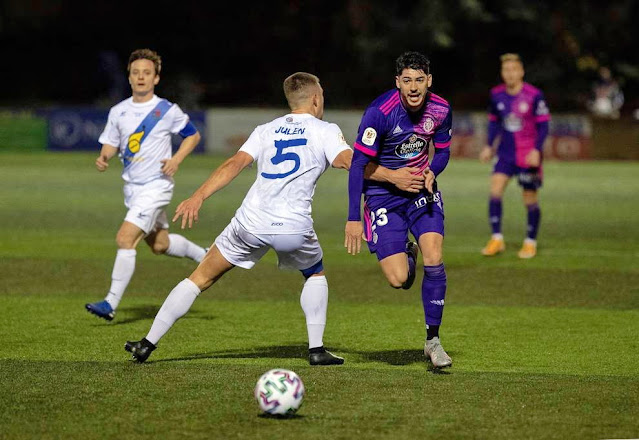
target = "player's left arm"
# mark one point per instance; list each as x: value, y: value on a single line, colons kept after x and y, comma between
x: 542, y: 124
x: 191, y: 137
x: 441, y: 142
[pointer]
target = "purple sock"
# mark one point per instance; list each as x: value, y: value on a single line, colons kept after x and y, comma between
x: 433, y: 293
x: 534, y: 215
x: 494, y: 215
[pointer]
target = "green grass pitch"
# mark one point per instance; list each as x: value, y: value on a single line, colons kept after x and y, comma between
x: 542, y: 349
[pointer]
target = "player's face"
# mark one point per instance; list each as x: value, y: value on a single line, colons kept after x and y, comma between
x: 512, y: 72
x: 142, y: 77
x: 413, y: 86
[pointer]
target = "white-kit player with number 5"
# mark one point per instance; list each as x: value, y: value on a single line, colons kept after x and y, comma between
x: 291, y: 153
x: 139, y: 129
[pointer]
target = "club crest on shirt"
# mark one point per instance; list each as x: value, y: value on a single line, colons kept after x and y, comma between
x: 512, y: 123
x: 523, y: 107
x: 369, y: 136
x: 428, y: 125
x: 134, y: 141
x: 413, y: 146
x: 157, y: 113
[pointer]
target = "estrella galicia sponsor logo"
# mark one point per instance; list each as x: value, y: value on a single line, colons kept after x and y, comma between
x: 411, y: 148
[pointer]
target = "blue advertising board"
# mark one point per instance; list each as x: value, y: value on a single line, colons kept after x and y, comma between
x: 78, y: 129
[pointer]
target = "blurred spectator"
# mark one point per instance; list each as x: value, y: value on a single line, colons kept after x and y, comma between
x: 607, y: 96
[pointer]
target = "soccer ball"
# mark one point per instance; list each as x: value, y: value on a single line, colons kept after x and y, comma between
x: 279, y: 392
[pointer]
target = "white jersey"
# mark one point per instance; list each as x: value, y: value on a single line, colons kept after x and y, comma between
x: 291, y: 153
x: 142, y: 132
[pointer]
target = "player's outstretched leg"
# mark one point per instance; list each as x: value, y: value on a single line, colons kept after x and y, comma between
x: 123, y: 270
x: 176, y: 305
x: 411, y: 252
x: 140, y: 350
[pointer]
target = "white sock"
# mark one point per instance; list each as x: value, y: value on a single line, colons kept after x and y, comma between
x: 181, y: 247
x: 314, y: 301
x: 123, y: 269
x: 175, y: 306
x: 497, y: 237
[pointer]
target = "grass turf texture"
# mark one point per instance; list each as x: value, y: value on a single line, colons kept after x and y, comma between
x: 545, y: 348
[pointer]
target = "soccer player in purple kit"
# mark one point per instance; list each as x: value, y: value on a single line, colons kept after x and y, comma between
x: 519, y: 115
x: 395, y: 132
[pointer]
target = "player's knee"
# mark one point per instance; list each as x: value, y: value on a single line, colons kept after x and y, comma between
x: 159, y: 248
x: 433, y: 259
x: 397, y: 280
x: 124, y: 242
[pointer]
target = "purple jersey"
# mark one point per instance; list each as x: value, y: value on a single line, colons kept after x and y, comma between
x: 397, y: 138
x: 516, y: 119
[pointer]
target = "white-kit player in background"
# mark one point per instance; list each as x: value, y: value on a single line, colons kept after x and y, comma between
x: 139, y: 130
x: 291, y: 153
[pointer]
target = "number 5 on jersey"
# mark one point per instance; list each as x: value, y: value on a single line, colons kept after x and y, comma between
x: 281, y: 157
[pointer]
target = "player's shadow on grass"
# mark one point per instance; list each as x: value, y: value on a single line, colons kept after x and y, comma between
x: 140, y: 313
x: 274, y: 352
x: 391, y: 357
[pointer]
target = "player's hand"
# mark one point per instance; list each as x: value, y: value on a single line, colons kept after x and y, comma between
x: 170, y: 166
x: 429, y: 179
x: 486, y: 154
x: 102, y: 163
x: 188, y: 210
x: 533, y: 159
x: 407, y: 179
x: 354, y: 232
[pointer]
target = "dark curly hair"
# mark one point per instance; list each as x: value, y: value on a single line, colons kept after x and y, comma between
x: 412, y: 60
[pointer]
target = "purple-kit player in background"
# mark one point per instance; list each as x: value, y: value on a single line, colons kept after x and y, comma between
x: 518, y: 115
x: 395, y: 132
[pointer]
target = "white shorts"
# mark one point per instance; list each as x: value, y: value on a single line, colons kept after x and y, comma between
x: 243, y: 249
x: 146, y: 204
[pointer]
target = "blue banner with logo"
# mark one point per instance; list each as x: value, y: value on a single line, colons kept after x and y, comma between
x: 78, y: 129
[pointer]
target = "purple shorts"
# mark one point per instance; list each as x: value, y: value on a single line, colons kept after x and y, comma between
x: 388, y: 218
x: 528, y: 178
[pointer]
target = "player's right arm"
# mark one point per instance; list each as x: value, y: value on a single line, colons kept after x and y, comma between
x: 367, y: 145
x: 109, y: 137
x: 494, y: 128
x: 106, y: 153
x: 221, y: 177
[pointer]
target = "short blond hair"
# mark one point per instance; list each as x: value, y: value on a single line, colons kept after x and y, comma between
x: 510, y: 57
x: 299, y: 87
x: 145, y: 54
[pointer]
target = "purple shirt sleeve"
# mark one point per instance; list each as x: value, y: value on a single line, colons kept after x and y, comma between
x: 494, y: 126
x: 440, y: 160
x: 542, y: 133
x: 356, y: 184
x: 542, y: 118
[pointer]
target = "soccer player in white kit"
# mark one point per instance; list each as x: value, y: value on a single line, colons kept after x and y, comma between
x: 139, y: 130
x: 291, y: 153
